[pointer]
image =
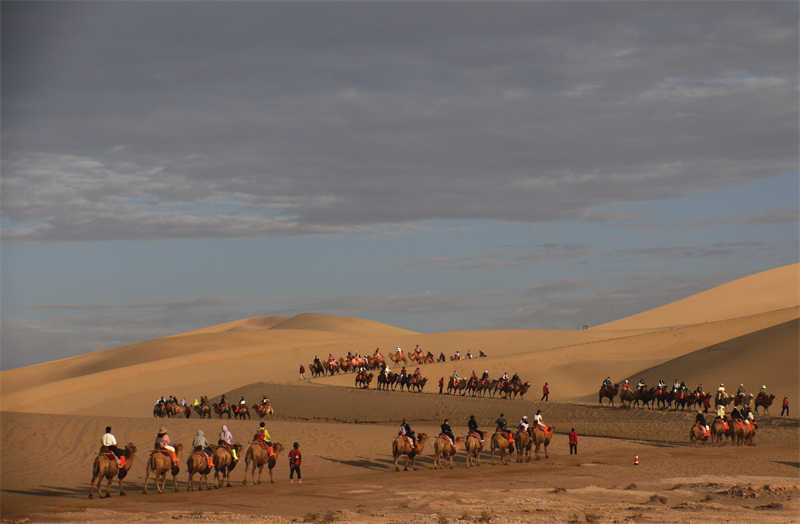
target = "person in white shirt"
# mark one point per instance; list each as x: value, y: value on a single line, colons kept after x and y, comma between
x: 110, y: 443
x: 537, y: 418
x: 523, y: 424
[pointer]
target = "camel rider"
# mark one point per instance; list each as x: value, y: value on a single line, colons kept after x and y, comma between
x: 748, y: 416
x: 473, y: 426
x: 418, y: 351
x: 377, y: 352
x: 441, y: 357
x: 515, y: 379
x: 405, y: 430
x: 676, y: 386
x: 398, y: 351
x: 721, y: 391
x: 264, y: 400
x: 699, y: 389
x: 626, y: 384
x: 763, y: 390
x: 502, y: 425
x: 469, y: 354
x: 661, y: 383
x: 736, y: 415
x: 226, y: 441
x: 223, y: 401
x: 474, y: 376
x: 721, y: 411
x: 263, y: 438
x: 537, y: 418
x: 162, y: 441
x: 316, y: 360
x: 200, y: 443
x: 701, y: 420
x: 641, y: 385
x: 196, y: 403
x: 448, y: 431
x: 523, y: 424
x: 740, y: 392
x: 458, y: 355
x: 481, y: 354
x: 607, y: 382
x: 109, y: 442
x: 485, y: 375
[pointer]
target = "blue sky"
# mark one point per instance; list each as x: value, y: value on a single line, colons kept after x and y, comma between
x: 431, y: 166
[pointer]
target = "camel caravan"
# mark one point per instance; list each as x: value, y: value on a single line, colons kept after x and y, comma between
x: 503, y: 387
x: 204, y: 408
x: 527, y: 441
x: 679, y: 396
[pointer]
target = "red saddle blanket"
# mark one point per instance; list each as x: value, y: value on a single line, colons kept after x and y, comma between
x: 544, y: 428
x: 509, y: 436
x: 448, y: 439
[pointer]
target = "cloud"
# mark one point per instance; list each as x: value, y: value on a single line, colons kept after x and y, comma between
x: 273, y: 120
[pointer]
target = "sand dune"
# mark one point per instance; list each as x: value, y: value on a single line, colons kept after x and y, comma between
x: 767, y: 291
x: 745, y: 331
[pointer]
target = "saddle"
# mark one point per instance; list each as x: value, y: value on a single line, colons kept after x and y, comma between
x: 448, y: 439
x: 507, y: 434
x: 200, y: 452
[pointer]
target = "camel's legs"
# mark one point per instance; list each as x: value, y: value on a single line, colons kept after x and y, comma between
x: 108, y: 488
x: 147, y: 478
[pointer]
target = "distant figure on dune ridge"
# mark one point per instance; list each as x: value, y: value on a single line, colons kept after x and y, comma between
x: 785, y: 406
x: 302, y: 372
x: 545, y: 393
x: 441, y: 386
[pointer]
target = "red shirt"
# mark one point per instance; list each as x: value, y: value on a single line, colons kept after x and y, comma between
x: 294, y: 457
x: 441, y: 382
x: 785, y: 402
x: 573, y: 438
x: 545, y: 389
x: 302, y: 369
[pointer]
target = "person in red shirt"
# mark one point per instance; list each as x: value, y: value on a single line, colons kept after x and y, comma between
x: 785, y: 406
x: 294, y: 463
x: 302, y: 372
x: 441, y: 385
x: 545, y: 392
x: 573, y: 442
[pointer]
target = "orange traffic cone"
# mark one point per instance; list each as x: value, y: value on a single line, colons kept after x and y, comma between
x: 636, y: 460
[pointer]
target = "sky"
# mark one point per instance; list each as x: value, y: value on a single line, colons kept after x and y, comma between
x: 436, y: 166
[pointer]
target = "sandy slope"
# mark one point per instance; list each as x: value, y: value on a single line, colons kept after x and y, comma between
x: 767, y: 291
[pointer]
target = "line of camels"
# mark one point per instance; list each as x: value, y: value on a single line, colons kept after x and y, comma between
x: 169, y: 410
x: 662, y: 398
x: 524, y: 441
x: 160, y: 463
x: 739, y: 432
x: 376, y: 362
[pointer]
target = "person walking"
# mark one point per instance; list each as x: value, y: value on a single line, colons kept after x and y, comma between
x: 441, y: 385
x: 294, y: 463
x: 302, y: 372
x: 573, y: 442
x: 785, y: 406
x: 545, y: 392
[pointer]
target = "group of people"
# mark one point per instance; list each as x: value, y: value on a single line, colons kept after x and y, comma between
x: 472, y: 426
x: 200, y: 444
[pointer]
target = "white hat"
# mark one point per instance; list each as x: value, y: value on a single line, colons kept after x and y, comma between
x: 524, y: 417
x: 765, y: 387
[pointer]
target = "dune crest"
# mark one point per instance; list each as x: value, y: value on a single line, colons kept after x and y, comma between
x: 771, y: 290
x: 345, y: 325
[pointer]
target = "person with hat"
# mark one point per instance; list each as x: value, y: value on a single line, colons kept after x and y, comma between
x: 162, y: 441
x: 473, y: 426
x: 226, y: 441
x: 523, y: 424
x: 294, y: 462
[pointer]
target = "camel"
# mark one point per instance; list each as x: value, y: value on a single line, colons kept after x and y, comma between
x: 723, y: 400
x: 224, y: 409
x: 240, y: 412
x: 663, y: 396
x: 173, y: 410
x: 765, y: 401
x: 316, y: 370
x: 363, y: 381
x: 609, y: 392
x: 523, y: 443
x: 386, y: 379
x: 159, y: 411
x: 737, y: 432
x: 419, y: 385
x: 397, y: 358
x: 718, y: 430
x: 646, y: 397
x: 107, y: 467
x: 401, y: 446
x: 473, y: 446
x: 540, y: 438
x: 442, y: 446
x: 501, y: 442
x: 198, y: 463
x: 260, y: 457
x: 697, y: 434
x: 521, y: 390
x: 626, y: 395
x: 224, y: 463
x: 748, y: 433
x: 204, y: 410
x: 456, y: 386
x: 488, y: 387
x: 743, y: 400
x: 160, y: 464
x: 264, y: 410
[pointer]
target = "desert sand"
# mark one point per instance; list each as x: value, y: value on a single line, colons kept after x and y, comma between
x: 747, y: 331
